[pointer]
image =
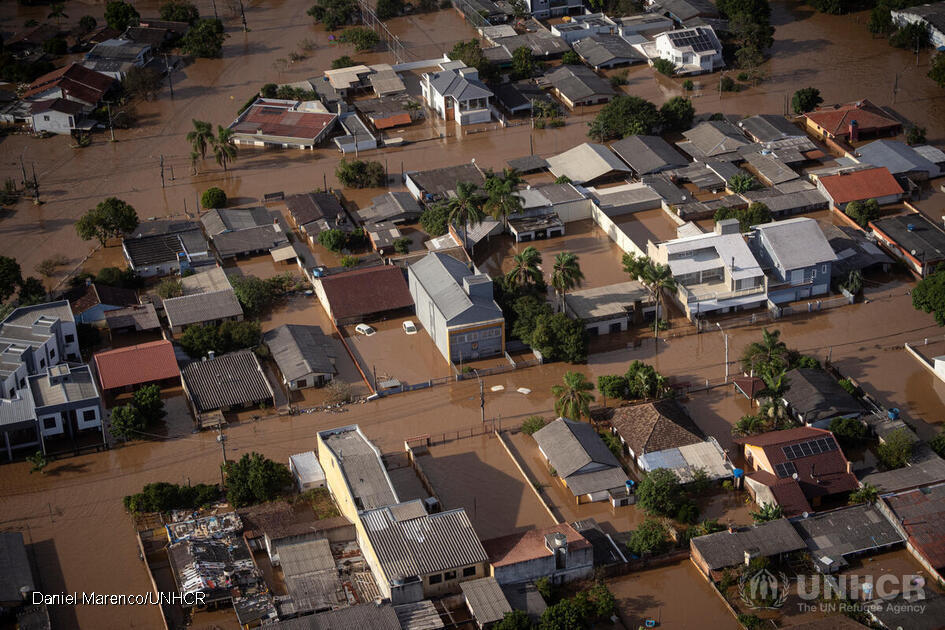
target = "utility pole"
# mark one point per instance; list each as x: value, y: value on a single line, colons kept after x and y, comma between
x: 482, y: 398
x: 243, y: 14
x: 214, y: 3
x: 221, y: 438
x: 724, y: 336
x: 162, y: 171
x: 35, y: 187
x: 170, y: 83
x: 23, y: 169
x: 171, y: 166
x: 111, y: 128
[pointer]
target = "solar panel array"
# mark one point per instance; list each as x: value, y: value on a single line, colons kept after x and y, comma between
x: 806, y: 449
x: 785, y: 470
x: 698, y: 40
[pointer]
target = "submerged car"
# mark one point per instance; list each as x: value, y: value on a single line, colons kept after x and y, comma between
x: 410, y: 328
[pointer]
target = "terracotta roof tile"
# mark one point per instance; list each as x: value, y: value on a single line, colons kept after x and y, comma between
x: 836, y: 120
x: 134, y: 365
x: 530, y: 545
x: 366, y: 291
x: 860, y: 185
x: 655, y: 426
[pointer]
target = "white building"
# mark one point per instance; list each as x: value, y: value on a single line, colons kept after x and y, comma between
x: 456, y: 93
x: 56, y: 116
x: 932, y: 15
x: 692, y: 50
x: 306, y: 471
x: 550, y: 8
x: 581, y: 26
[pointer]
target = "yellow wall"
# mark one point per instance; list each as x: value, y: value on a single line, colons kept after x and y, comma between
x: 758, y: 458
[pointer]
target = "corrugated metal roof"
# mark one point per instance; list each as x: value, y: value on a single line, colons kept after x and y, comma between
x: 361, y: 464
x: 202, y: 307
x: 724, y: 549
x: 586, y: 162
x: 796, y: 243
x: 16, y: 572
x: 300, y: 350
x: 420, y: 615
x: 67, y: 384
x: 441, y: 277
x: 648, y: 154
x: 18, y: 409
x: 230, y: 379
x: 486, y: 600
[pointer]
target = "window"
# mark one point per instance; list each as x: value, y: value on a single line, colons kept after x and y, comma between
x: 813, y: 273
x: 300, y: 382
x: 70, y: 338
x: 89, y: 415
x: 451, y: 575
x: 49, y: 424
x: 824, y: 269
x: 436, y: 578
x: 42, y: 363
x: 469, y: 571
x: 52, y: 353
x: 46, y: 118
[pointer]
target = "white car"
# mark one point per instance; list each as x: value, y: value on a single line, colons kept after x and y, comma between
x: 364, y: 329
x: 410, y: 328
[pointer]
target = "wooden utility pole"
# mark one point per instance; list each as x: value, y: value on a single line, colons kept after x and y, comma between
x: 35, y: 186
x: 170, y: 82
x: 162, y: 171
x: 243, y: 14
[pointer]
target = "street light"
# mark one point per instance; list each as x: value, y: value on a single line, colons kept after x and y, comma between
x: 724, y: 336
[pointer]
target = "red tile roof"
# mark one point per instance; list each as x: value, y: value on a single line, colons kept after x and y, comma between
x: 392, y: 120
x: 836, y: 119
x: 530, y: 545
x: 275, y: 119
x: 74, y: 80
x: 366, y: 291
x: 136, y: 365
x: 922, y: 515
x: 871, y: 183
x: 60, y: 105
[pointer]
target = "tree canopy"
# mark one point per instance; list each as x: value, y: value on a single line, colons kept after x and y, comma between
x: 204, y: 39
x: 110, y: 218
x: 360, y: 173
x: 254, y: 479
x: 677, y: 114
x: 659, y: 492
x: 11, y: 277
x: 120, y: 15
x: 470, y: 53
x: 806, y: 100
x: 624, y: 116
x: 755, y: 214
x: 179, y: 11
x: 929, y: 296
x: 334, y: 13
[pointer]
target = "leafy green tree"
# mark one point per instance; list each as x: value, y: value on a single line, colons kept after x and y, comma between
x: 334, y: 13
x: 199, y: 340
x: 37, y: 462
x: 867, y: 493
x: 664, y: 66
x: 545, y: 588
x: 915, y: 135
x: 115, y: 277
x: 570, y: 58
x: 11, y: 277
x: 213, y: 197
x: 880, y: 20
x: 928, y: 295
x: 677, y: 114
x: 573, y: 398
x: 402, y: 245
x: 569, y: 338
x: 526, y: 268
x: 769, y: 354
x: 204, y: 39
x: 110, y: 218
x: 170, y: 287
x: 386, y: 9
x: 435, y: 219
x: 755, y: 214
x: 741, y: 182
x: 55, y: 46
x: 806, y: 100
x: 179, y: 11
x: 87, y: 23
x: 659, y: 493
x: 32, y: 291
x: 142, y: 82
x: 254, y: 479
x: 254, y: 294
x: 767, y: 512
x: 361, y: 37
x: 566, y: 274
x: 466, y: 209
x: 224, y: 147
x: 470, y: 53
x: 126, y: 422
x: 912, y: 36
x: 624, y: 116
x: 514, y: 620
x: 895, y: 451
x: 863, y: 211
x: 523, y: 64
x: 343, y: 61
x: 562, y: 616
x: 120, y: 15
x: 848, y: 430
x: 239, y: 335
x: 937, y: 69
x: 360, y: 173
x: 613, y: 386
x: 149, y: 405
x: 165, y: 497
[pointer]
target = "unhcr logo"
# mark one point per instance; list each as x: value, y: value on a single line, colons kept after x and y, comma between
x: 763, y: 589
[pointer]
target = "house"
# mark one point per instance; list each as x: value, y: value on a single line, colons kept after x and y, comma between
x: 582, y: 461
x: 457, y: 94
x: 542, y: 9
x: 559, y: 553
x: 577, y: 85
x: 379, y: 617
x: 32, y: 39
x: 536, y: 227
x: 130, y: 367
x: 779, y: 135
x: 717, y: 139
x: 91, y: 301
x: 283, y: 124
x: 706, y: 458
x: 115, y: 57
x: 862, y: 185
x: 440, y: 183
x: 239, y: 232
x: 796, y: 256
x: 903, y: 161
x: 607, y: 51
x: 919, y: 515
x: 648, y: 154
x: 207, y: 280
x: 784, y: 204
x: 386, y: 113
x: 304, y: 354
x: 835, y: 537
x: 854, y: 251
x: 214, y: 307
x: 385, y: 81
x: 683, y: 10
x: 315, y: 212
x: 311, y: 576
x: 66, y: 401
x: 913, y: 238
x: 715, y: 552
x: 611, y: 308
x: 17, y: 579
x: 306, y: 471
x: 851, y: 122
x: 382, y: 236
x: 74, y: 83
x: 715, y: 272
x: 815, y: 397
x: 654, y: 426
x: 517, y: 97
x: 537, y: 38
x: 695, y: 50
x: 362, y: 294
x: 348, y: 80
x: 356, y: 135
x: 798, y: 469
x: 583, y: 26
x: 456, y: 308
x: 588, y: 164
x: 165, y: 248
x: 34, y: 338
x: 227, y: 382
x: 137, y: 318
x: 932, y: 15
x: 933, y: 154
x: 58, y: 116
x: 486, y: 601
x: 392, y: 207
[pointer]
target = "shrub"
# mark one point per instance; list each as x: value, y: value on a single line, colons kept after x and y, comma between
x: 435, y: 219
x: 688, y: 85
x: 213, y: 198
x: 571, y: 58
x: 727, y: 84
x: 562, y: 179
x: 254, y: 479
x: 613, y: 386
x: 848, y: 430
x: 755, y: 214
x: 179, y: 11
x: 847, y: 386
x: 204, y: 39
x: 164, y: 497
x: 862, y: 211
x: 896, y: 449
x: 544, y: 587
x: 806, y: 100
x: 532, y: 424
x: 348, y: 261
x: 807, y: 361
x: 332, y: 239
x: 659, y: 493
x: 343, y: 62
x: 915, y: 135
x: 361, y: 37
x: 648, y: 538
x: 613, y: 443
x: 664, y: 66
x: 387, y: 9
x: 402, y: 245
x: 687, y: 513
x: 937, y: 443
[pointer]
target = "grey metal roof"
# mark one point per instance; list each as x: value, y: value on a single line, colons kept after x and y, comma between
x: 924, y: 237
x: 308, y: 207
x: 600, y: 50
x: 486, y: 600
x: 790, y: 202
x: 848, y: 530
x: 441, y: 277
x: 578, y: 83
x: 17, y: 410
x: 686, y: 9
x: 542, y: 43
x: 421, y: 544
x: 310, y: 574
x: 16, y: 573
x: 713, y: 138
x: 796, y: 243
x: 392, y: 206
x: 528, y: 163
x: 724, y: 549
x: 62, y: 384
x: 769, y: 127
x: 151, y: 250
x: 202, y: 307
x: 360, y: 617
x: 361, y: 464
x: 300, y: 350
x: 771, y: 168
x: 924, y: 469
x: 648, y: 154
x: 570, y: 446
x: 262, y: 237
x: 853, y: 249
x: 452, y: 83
x: 897, y: 157
x: 665, y: 188
x: 585, y: 163
x: 421, y: 615
x: 230, y: 379
x: 816, y: 395
x: 441, y: 181
x: 206, y: 281
x: 607, y: 301
x: 232, y: 219
x: 930, y: 153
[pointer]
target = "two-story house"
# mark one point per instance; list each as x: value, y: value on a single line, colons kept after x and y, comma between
x: 456, y: 93
x: 796, y: 257
x: 33, y: 338
x: 692, y: 50
x: 542, y: 9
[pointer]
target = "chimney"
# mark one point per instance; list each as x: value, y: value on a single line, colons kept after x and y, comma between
x: 849, y: 468
x: 854, y: 131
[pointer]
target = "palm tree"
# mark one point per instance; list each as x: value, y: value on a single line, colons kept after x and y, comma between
x: 749, y: 425
x: 775, y: 414
x: 525, y: 268
x: 200, y: 138
x: 566, y: 274
x: 658, y: 278
x: 503, y: 201
x: 466, y: 208
x: 634, y: 266
x: 770, y: 355
x: 573, y: 399
x: 57, y: 10
x: 767, y: 512
x: 224, y: 149
x: 868, y: 493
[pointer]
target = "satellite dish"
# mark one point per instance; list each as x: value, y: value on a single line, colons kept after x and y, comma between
x: 805, y: 514
x: 794, y: 476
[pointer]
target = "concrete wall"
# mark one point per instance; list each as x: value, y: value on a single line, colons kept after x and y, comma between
x: 579, y: 565
x: 477, y: 341
x: 53, y: 122
x: 430, y: 317
x: 615, y: 233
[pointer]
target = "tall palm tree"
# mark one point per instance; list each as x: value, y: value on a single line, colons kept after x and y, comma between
x: 770, y: 355
x: 525, y: 269
x: 200, y: 139
x: 57, y: 10
x: 466, y: 209
x: 502, y: 198
x: 658, y: 278
x: 573, y: 399
x: 194, y: 156
x: 565, y: 275
x: 634, y: 266
x: 224, y: 149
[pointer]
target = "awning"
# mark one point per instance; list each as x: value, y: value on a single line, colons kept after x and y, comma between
x: 286, y: 252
